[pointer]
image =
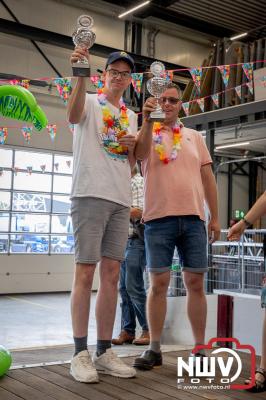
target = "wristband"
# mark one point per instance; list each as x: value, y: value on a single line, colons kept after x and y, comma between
x: 246, y: 222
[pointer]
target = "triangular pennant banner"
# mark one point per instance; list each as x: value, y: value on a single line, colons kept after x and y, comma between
x: 215, y: 99
x: 201, y: 103
x: 97, y: 81
x: 43, y: 167
x: 26, y: 132
x: 169, y: 75
x: 238, y: 90
x: 250, y: 86
x: 185, y: 107
x: 68, y: 163
x: 29, y: 169
x: 225, y: 71
x: 1, y: 171
x: 56, y: 165
x: 196, y: 74
x: 52, y: 131
x: 248, y: 69
x: 3, y: 135
x: 137, y: 82
x: 64, y: 88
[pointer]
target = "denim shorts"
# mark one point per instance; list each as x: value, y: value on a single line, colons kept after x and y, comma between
x: 187, y: 233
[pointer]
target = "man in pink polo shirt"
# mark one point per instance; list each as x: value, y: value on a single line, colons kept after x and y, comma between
x: 178, y: 177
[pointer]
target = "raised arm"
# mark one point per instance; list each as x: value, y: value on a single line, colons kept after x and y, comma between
x: 75, y: 107
x: 144, y: 140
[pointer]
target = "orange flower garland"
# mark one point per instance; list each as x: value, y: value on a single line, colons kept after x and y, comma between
x: 160, y: 147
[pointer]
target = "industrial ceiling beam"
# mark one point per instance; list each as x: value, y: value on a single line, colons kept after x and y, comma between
x: 59, y: 40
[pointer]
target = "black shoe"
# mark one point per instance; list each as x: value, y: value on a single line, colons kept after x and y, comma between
x: 148, y: 360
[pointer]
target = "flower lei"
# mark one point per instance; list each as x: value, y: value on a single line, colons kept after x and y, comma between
x: 160, y: 147
x: 113, y: 128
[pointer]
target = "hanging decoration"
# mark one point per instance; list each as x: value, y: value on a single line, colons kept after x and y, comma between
x: 215, y: 99
x: 160, y: 147
x: 1, y: 171
x: 248, y: 69
x: 43, y: 168
x: 56, y: 165
x: 29, y: 169
x: 64, y: 88
x: 238, y: 90
x: 18, y: 103
x: 137, y: 83
x: 68, y: 163
x: 26, y: 132
x: 15, y: 170
x: 196, y: 74
x: 169, y: 75
x: 51, y: 130
x: 250, y: 86
x: 201, y: 103
x: 3, y: 135
x: 225, y: 72
x: 185, y: 107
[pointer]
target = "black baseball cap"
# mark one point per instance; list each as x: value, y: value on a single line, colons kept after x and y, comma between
x: 120, y: 55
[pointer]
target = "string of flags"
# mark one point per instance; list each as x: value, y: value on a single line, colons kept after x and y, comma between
x: 30, y: 170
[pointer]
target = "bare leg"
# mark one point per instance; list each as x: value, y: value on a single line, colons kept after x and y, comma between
x: 196, y: 305
x: 80, y: 298
x: 107, y: 298
x: 156, y: 304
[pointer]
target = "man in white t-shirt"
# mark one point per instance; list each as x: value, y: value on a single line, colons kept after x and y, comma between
x: 103, y: 149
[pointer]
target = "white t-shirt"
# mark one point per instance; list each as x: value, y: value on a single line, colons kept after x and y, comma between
x: 95, y: 172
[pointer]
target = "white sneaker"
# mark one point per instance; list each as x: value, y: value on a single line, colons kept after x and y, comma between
x: 82, y: 368
x: 110, y: 364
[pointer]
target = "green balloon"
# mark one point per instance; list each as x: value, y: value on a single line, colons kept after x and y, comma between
x: 5, y: 360
x: 19, y: 103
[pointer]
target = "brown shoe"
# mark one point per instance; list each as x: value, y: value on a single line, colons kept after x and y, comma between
x: 143, y: 340
x: 124, y: 337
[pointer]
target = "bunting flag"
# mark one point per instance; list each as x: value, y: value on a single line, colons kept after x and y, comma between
x: 71, y: 127
x: 137, y: 83
x: 52, y: 131
x: 169, y: 75
x: 225, y: 71
x: 201, y: 103
x: 43, y: 167
x: 56, y: 165
x: 250, y: 87
x: 215, y: 99
x: 3, y: 135
x: 68, y: 163
x: 15, y: 170
x: 97, y: 81
x: 26, y: 132
x: 238, y: 90
x: 1, y: 171
x: 196, y: 74
x: 24, y: 83
x: 64, y: 88
x: 185, y: 107
x: 248, y: 69
x: 29, y: 169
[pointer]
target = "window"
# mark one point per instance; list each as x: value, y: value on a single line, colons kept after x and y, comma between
x: 34, y: 202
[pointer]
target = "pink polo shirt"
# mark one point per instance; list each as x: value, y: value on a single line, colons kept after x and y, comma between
x: 175, y: 188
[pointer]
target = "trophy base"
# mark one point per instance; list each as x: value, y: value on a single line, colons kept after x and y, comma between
x: 157, y: 116
x: 82, y: 70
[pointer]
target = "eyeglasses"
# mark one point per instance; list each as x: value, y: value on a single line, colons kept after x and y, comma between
x: 171, y: 100
x: 115, y: 74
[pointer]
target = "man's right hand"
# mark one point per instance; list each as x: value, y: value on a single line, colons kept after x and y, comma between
x: 149, y: 106
x: 78, y: 54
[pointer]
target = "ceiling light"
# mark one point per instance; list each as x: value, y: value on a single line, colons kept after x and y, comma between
x: 238, y: 36
x: 134, y: 9
x: 227, y: 146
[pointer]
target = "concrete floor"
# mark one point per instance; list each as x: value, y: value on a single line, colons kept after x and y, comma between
x: 39, y: 320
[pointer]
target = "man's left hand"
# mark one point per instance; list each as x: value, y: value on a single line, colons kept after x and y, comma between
x: 129, y: 141
x: 214, y: 230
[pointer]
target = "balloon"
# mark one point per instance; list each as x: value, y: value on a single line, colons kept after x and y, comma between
x: 19, y: 103
x: 5, y: 360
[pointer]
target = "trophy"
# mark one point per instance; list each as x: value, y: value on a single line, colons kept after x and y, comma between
x: 85, y: 38
x: 156, y: 86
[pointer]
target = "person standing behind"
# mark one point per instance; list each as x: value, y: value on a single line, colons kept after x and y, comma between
x: 103, y: 149
x: 131, y: 284
x: 234, y: 233
x: 178, y: 178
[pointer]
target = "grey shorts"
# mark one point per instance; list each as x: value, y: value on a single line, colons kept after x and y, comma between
x: 100, y: 229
